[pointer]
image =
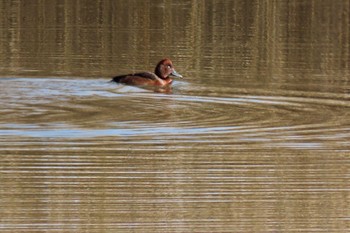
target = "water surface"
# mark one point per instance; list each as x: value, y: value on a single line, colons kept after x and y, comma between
x: 255, y: 138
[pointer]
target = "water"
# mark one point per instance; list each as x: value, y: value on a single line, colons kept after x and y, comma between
x: 255, y: 138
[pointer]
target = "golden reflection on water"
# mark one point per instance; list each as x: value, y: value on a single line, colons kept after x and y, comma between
x: 254, y: 139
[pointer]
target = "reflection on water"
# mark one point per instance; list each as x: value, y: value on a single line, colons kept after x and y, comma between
x: 95, y: 109
x: 254, y: 139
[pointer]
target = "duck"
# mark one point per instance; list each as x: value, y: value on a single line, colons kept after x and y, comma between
x: 159, y: 79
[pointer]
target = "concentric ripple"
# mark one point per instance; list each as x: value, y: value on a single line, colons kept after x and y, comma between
x: 66, y: 108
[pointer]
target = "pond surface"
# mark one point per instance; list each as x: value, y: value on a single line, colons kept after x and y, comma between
x: 255, y: 138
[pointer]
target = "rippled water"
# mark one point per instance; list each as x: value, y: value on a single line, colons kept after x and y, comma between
x: 79, y: 108
x: 255, y: 138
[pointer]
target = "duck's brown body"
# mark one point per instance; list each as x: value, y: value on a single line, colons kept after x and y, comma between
x: 160, y: 77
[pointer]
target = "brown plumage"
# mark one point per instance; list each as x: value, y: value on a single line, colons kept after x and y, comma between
x: 160, y: 77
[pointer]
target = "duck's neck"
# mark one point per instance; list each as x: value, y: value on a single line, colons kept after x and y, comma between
x: 168, y: 81
x: 165, y: 79
x: 158, y: 73
x: 165, y: 82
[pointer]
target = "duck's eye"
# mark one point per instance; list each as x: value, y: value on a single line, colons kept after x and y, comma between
x: 169, y: 66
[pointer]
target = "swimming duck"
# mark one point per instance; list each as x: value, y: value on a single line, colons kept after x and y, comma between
x: 160, y: 77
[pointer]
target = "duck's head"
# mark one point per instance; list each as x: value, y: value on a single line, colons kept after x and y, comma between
x: 165, y: 68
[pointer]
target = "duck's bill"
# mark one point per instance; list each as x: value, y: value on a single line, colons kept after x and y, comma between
x: 176, y: 74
